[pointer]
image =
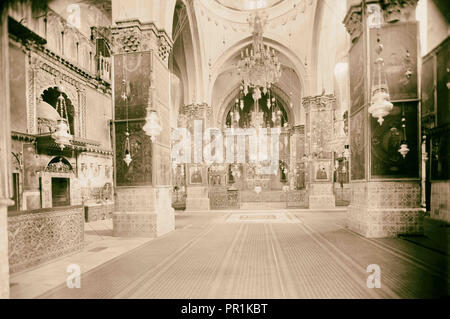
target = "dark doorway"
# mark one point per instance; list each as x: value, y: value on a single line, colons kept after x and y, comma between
x: 60, y: 192
x: 15, y: 195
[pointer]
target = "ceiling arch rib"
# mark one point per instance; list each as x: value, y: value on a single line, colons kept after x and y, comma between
x: 187, y: 51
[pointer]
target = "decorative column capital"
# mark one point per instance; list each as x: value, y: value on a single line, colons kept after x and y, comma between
x: 353, y: 22
x: 319, y: 103
x: 196, y: 111
x: 398, y: 10
x: 298, y: 130
x: 134, y: 36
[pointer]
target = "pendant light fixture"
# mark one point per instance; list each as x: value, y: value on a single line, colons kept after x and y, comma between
x: 404, y: 150
x: 62, y: 135
x: 152, y: 125
x: 125, y: 95
x: 380, y: 99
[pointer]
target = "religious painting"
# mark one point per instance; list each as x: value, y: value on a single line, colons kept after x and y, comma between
x: 357, y: 76
x: 442, y: 84
x: 440, y: 155
x: 400, y: 46
x: 322, y: 171
x: 386, y: 140
x: 357, y: 148
x: 195, y: 175
x: 132, y: 78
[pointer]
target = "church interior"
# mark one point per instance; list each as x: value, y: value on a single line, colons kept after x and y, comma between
x: 224, y: 148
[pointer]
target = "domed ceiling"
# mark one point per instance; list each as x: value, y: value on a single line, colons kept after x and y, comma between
x: 247, y: 5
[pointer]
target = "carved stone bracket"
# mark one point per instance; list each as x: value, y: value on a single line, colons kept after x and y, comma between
x: 353, y: 22
x: 398, y: 10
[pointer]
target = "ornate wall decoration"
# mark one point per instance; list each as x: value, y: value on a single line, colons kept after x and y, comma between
x: 133, y: 36
x: 398, y: 10
x: 164, y: 49
x: 196, y: 111
x: 224, y: 199
x: 319, y: 124
x: 43, y: 236
x: 59, y: 165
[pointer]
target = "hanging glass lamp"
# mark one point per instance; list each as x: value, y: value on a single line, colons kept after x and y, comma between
x: 62, y: 134
x: 380, y: 105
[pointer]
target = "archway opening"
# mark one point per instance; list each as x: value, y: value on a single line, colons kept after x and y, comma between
x: 51, y: 97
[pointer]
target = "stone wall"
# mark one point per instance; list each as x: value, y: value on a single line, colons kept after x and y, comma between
x: 94, y: 212
x: 42, y: 235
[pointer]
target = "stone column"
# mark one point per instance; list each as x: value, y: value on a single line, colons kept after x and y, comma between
x: 319, y: 134
x: 143, y: 204
x: 5, y: 151
x: 297, y: 152
x: 196, y: 172
x: 385, y: 197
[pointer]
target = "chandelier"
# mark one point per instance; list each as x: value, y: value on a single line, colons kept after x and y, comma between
x: 259, y: 67
x: 62, y: 135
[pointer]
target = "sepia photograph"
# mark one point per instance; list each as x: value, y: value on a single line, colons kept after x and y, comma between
x: 232, y: 156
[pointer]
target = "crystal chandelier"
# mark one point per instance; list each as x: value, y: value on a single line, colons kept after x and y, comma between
x: 62, y: 133
x: 380, y: 104
x: 259, y: 67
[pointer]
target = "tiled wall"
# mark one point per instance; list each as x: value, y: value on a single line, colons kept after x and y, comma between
x: 34, y: 238
x: 385, y: 209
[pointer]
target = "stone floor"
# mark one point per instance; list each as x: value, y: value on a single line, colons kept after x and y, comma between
x: 246, y: 254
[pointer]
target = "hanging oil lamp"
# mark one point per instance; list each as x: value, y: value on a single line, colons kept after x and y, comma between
x: 152, y: 125
x: 380, y: 103
x: 347, y: 151
x: 127, y: 159
x: 403, y: 144
x: 62, y: 135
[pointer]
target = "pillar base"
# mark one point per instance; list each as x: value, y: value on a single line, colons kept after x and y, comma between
x: 148, y: 225
x: 143, y: 212
x: 197, y: 199
x: 376, y: 210
x: 385, y: 223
